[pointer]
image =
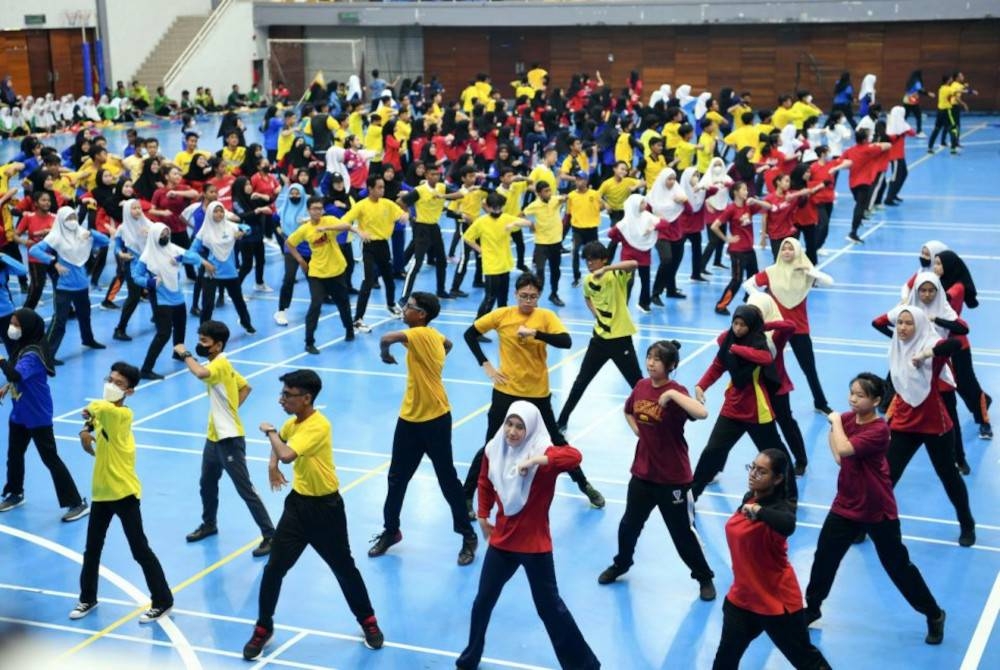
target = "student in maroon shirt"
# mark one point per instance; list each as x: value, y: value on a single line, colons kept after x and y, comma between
x: 656, y: 412
x: 823, y: 172
x: 169, y: 202
x: 518, y: 473
x: 859, y: 441
x: 742, y: 258
x: 765, y: 595
x: 917, y: 415
x: 864, y: 168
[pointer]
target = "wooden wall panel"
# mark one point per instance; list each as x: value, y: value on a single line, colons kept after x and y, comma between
x: 14, y: 56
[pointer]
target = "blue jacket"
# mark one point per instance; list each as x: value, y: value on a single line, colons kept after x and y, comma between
x: 164, y: 296
x: 8, y: 266
x: 223, y: 269
x: 76, y: 279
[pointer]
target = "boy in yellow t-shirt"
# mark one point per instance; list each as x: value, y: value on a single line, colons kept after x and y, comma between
x: 684, y: 153
x: 583, y: 205
x: 225, y: 442
x: 490, y: 236
x: 548, y: 236
x: 313, y: 513
x: 705, y: 150
x: 616, y: 189
x: 513, y: 187
x: 424, y: 425
x: 116, y: 492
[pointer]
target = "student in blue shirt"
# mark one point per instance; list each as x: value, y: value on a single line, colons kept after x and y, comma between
x: 217, y: 238
x: 130, y: 240
x: 67, y: 247
x: 8, y: 266
x: 292, y: 211
x: 158, y: 269
x: 27, y: 374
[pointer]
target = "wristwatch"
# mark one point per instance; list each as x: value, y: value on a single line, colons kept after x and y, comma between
x: 185, y: 355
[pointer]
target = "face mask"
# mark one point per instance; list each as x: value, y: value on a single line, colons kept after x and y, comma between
x: 71, y: 225
x: 202, y: 350
x: 13, y: 333
x: 295, y: 199
x: 164, y: 241
x: 925, y: 262
x: 112, y: 393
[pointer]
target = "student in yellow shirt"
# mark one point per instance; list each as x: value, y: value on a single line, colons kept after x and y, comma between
x: 470, y: 97
x: 803, y: 108
x: 424, y: 425
x: 232, y: 155
x: 671, y: 134
x: 313, y: 512
x: 623, y: 145
x: 616, y: 189
x: 183, y: 158
x: 647, y: 136
x: 583, y: 205
x: 945, y: 120
x: 225, y: 443
x: 522, y: 89
x: 525, y: 332
x: 374, y: 142
x: 286, y: 137
x: 116, y: 492
x: 653, y: 164
x: 548, y: 236
x: 576, y: 161
x: 489, y: 236
x: 537, y: 79
x: 684, y: 153
x: 705, y: 150
x: 513, y: 187
x: 428, y: 200
x: 376, y: 218
x: 465, y: 210
x: 543, y: 171
x: 739, y: 109
x: 745, y: 135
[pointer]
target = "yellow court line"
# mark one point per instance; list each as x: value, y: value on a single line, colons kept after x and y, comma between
x: 242, y: 550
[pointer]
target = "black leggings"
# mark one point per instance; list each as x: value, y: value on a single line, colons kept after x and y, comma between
x: 823, y: 226
x: 941, y: 450
x: 230, y: 286
x: 168, y: 319
x: 915, y: 112
x: 742, y: 266
x: 550, y: 254
x: 802, y: 347
x: 695, y: 240
x: 18, y: 438
x: 788, y: 631
x: 497, y: 288
x: 619, y: 350
x: 809, y: 240
x: 252, y: 256
x: 37, y: 272
x: 899, y: 172
x: 375, y: 256
x: 975, y: 399
x: 789, y: 427
x: 644, y: 297
x: 131, y: 302
x: 945, y: 121
x: 725, y: 434
x: 291, y: 271
x: 581, y: 236
x: 320, y: 288
x: 862, y: 195
x: 428, y: 243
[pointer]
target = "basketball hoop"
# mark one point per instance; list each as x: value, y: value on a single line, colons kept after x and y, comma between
x: 78, y: 18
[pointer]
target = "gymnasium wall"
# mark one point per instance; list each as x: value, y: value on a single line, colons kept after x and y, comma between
x: 762, y: 58
x: 41, y: 61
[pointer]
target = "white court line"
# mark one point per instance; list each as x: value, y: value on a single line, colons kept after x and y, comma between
x: 177, y: 638
x: 869, y: 252
x: 273, y: 656
x: 981, y: 636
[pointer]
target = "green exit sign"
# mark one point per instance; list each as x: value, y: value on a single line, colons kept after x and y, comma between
x: 34, y: 19
x: 350, y: 18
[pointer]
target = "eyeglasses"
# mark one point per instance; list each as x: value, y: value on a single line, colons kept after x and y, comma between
x: 285, y: 395
x: 410, y: 305
x: 528, y: 297
x: 757, y: 470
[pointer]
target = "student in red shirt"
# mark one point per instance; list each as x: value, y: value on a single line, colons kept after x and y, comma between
x: 742, y: 259
x: 859, y: 441
x: 779, y: 221
x: 898, y: 130
x: 656, y: 412
x: 743, y: 352
x: 637, y: 234
x: 765, y: 595
x: 518, y: 473
x: 822, y: 171
x: 917, y: 415
x: 864, y: 168
x: 168, y: 204
x: 32, y: 229
x: 806, y: 217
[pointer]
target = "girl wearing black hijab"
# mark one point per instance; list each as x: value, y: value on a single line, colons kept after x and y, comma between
x: 150, y: 179
x: 744, y: 354
x: 27, y: 372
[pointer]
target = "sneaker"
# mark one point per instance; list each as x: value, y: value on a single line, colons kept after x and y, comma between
x: 220, y: 301
x: 12, y: 500
x: 963, y: 467
x: 458, y: 293
x: 722, y: 266
x: 935, y: 629
x: 349, y: 336
x: 930, y: 150
x: 263, y: 549
x: 556, y: 300
x: 853, y: 237
x: 824, y: 409
x: 107, y: 304
x: 201, y: 532
x: 361, y: 327
x: 444, y: 295
x: 280, y: 318
x: 722, y: 310
x: 643, y: 308
x: 921, y: 135
x: 255, y: 647
x: 373, y: 634
x: 968, y: 537
x: 576, y: 283
x: 705, y: 272
x: 248, y: 327
x: 150, y: 375
x: 468, y: 552
x: 812, y: 615
x: 699, y: 279
x: 676, y: 295
x: 396, y: 311
x: 94, y: 344
x: 657, y: 300
x: 263, y: 288
x: 81, y: 610
x: 382, y: 542
x: 610, y: 574
x: 823, y: 252
x: 468, y: 508
x: 78, y: 511
x: 563, y: 426
x: 120, y: 336
x: 800, y: 469
x: 985, y: 431
x: 195, y: 311
x: 311, y: 349
x: 593, y: 495
x: 706, y: 589
x: 154, y: 614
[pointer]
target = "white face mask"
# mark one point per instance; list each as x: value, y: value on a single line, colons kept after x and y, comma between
x: 112, y: 393
x: 13, y: 333
x: 71, y: 224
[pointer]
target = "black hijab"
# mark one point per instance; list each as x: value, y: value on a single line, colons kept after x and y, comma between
x: 956, y: 272
x: 32, y: 339
x: 147, y: 183
x: 740, y: 369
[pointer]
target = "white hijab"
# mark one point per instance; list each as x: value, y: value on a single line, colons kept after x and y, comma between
x: 663, y: 93
x: 220, y: 238
x: 512, y: 487
x: 661, y: 197
x: 789, y: 144
x: 769, y: 310
x: 896, y: 123
x: 939, y: 308
x: 162, y: 261
x: 637, y: 226
x: 683, y: 94
x: 335, y: 163
x: 701, y: 105
x: 912, y: 383
x: 718, y: 177
x: 788, y: 285
x: 133, y: 230
x: 353, y: 88
x: 867, y: 88
x: 70, y: 241
x: 696, y: 197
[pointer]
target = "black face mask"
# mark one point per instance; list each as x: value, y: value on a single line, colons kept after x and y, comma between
x: 202, y: 350
x: 164, y: 241
x: 296, y: 199
x: 925, y: 262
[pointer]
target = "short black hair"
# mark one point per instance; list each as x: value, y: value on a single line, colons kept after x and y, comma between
x: 655, y: 139
x: 189, y: 134
x: 128, y: 371
x: 746, y: 118
x: 665, y: 351
x: 495, y: 201
x: 685, y: 129
x: 543, y: 186
x: 871, y: 384
x: 528, y: 279
x: 313, y: 199
x: 304, y: 380
x: 289, y: 114
x: 506, y: 170
x: 216, y: 330
x: 373, y: 180
x: 428, y: 302
x: 595, y: 250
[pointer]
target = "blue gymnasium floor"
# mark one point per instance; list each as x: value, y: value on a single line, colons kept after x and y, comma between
x: 651, y: 618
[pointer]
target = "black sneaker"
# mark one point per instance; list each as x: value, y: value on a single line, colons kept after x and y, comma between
x: 657, y: 300
x: 468, y: 553
x: 263, y: 549
x: 154, y: 613
x: 255, y: 647
x: 985, y: 431
x: 311, y: 349
x: 195, y: 311
x: 382, y: 542
x: 444, y: 295
x: 824, y: 409
x: 107, y: 304
x: 676, y: 295
x: 610, y: 574
x: 706, y: 589
x: 14, y: 500
x: 963, y: 467
x: 468, y: 508
x: 150, y: 375
x: 374, y: 639
x: 201, y: 532
x: 576, y: 283
x: 722, y: 310
x: 556, y: 300
x: 121, y: 336
x: 812, y: 616
x: 593, y: 495
x: 81, y: 610
x: 249, y: 329
x: 458, y: 293
x: 800, y: 469
x: 94, y: 344
x: 935, y: 629
x: 968, y: 537
x: 853, y: 237
x: 77, y: 511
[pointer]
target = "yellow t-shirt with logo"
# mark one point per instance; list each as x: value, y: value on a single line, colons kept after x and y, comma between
x: 684, y: 153
x: 425, y: 397
x: 494, y: 239
x: 114, y: 475
x: 428, y: 207
x: 548, y: 222
x: 582, y: 164
x: 536, y: 78
x: 608, y: 295
x: 373, y: 142
x: 671, y: 135
x: 233, y: 158
x: 327, y: 260
x: 645, y: 138
x: 314, y: 473
x: 471, y: 204
x: 615, y: 192
x: 652, y: 169
x: 584, y: 209
x: 542, y: 173
x: 376, y: 217
x: 738, y: 113
x: 224, y: 384
x: 514, y: 196
x: 523, y: 360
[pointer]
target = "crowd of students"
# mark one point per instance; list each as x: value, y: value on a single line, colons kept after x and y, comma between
x: 551, y: 164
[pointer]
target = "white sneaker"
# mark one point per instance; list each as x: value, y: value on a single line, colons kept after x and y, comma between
x: 921, y: 134
x: 279, y: 318
x: 154, y: 613
x: 264, y: 288
x: 81, y: 610
x: 361, y: 327
x: 396, y: 311
x: 823, y: 252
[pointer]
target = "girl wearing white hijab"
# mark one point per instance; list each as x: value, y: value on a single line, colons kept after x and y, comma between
x: 159, y: 270
x: 716, y: 183
x: 217, y: 237
x: 637, y: 234
x: 692, y: 223
x: 519, y: 473
x: 67, y: 247
x: 866, y: 94
x: 130, y: 240
x: 701, y: 105
x: 898, y: 130
x: 928, y: 252
x: 663, y: 93
x: 667, y: 200
x: 917, y: 415
x: 353, y: 88
x: 6, y: 122
x: 789, y: 281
